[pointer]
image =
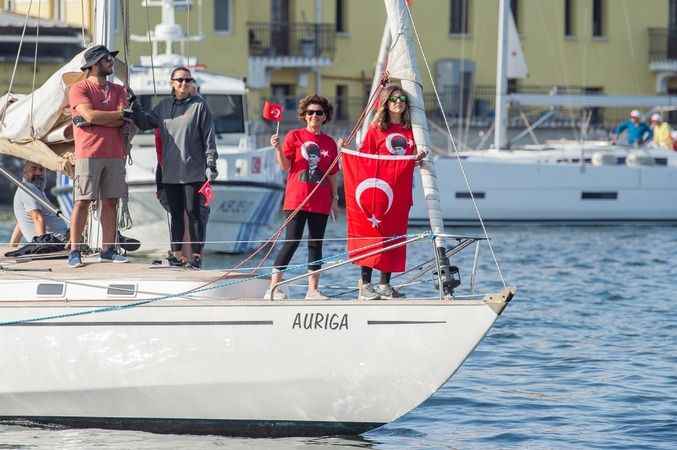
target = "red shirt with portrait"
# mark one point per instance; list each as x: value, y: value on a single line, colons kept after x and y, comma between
x: 395, y: 140
x: 310, y: 155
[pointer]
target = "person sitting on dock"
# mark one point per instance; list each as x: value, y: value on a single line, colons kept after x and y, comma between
x: 638, y: 132
x: 97, y: 106
x: 32, y: 217
x: 662, y: 133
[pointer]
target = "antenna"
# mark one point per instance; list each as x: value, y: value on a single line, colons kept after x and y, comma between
x: 169, y: 32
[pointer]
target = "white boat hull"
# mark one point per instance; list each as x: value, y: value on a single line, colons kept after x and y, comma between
x: 234, y: 367
x: 528, y: 191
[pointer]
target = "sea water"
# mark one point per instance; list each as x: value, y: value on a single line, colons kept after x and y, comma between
x: 584, y: 357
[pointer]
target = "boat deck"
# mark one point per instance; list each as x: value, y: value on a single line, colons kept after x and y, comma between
x: 18, y: 268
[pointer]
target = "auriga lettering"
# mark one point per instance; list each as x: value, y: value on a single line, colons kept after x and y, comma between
x: 319, y: 321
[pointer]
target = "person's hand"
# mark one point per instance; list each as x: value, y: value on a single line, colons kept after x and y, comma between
x: 211, y: 173
x: 420, y: 156
x: 335, y: 207
x: 339, y: 143
x: 275, y: 141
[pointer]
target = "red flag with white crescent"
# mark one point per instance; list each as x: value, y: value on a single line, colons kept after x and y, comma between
x: 378, y: 197
x: 272, y: 111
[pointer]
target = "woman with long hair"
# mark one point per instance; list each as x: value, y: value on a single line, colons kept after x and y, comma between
x: 306, y: 155
x: 188, y: 159
x: 389, y: 134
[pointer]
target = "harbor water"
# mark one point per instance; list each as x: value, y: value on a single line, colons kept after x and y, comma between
x: 584, y: 357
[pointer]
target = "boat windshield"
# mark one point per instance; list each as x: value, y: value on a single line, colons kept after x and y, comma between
x: 227, y: 110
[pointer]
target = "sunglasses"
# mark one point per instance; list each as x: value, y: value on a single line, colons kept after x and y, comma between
x: 183, y: 80
x: 107, y: 58
x: 395, y: 98
x: 311, y: 112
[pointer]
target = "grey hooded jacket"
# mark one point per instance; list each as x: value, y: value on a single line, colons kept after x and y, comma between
x: 188, y: 137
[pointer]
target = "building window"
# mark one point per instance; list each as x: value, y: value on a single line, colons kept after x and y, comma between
x: 222, y: 16
x: 598, y: 18
x: 569, y: 18
x: 341, y: 16
x: 514, y: 7
x: 341, y: 101
x: 458, y: 23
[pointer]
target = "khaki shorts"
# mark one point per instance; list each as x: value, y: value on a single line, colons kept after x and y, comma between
x: 104, y: 177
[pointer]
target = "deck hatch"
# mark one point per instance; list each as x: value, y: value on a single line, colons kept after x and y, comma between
x: 599, y: 195
x: 51, y: 289
x: 121, y: 290
x: 466, y: 195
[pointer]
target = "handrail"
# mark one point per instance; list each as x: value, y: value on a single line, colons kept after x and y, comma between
x: 348, y: 261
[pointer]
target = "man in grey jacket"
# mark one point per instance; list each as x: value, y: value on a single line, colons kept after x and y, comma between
x: 188, y: 158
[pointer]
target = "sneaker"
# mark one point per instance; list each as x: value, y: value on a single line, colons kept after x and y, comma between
x: 173, y: 261
x: 195, y: 263
x: 75, y: 259
x: 110, y: 255
x: 316, y: 295
x: 388, y: 292
x: 367, y: 292
x: 279, y: 295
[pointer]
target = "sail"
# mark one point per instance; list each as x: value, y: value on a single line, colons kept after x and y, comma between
x: 402, y: 66
x: 517, y: 64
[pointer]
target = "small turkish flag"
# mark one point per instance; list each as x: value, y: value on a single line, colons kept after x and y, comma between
x: 158, y: 145
x: 207, y: 192
x: 272, y: 111
x: 378, y: 197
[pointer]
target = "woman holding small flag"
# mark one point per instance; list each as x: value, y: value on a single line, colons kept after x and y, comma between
x: 307, y: 155
x: 389, y: 134
x: 187, y: 158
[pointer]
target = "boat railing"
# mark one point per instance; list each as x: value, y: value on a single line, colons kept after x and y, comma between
x: 462, y: 242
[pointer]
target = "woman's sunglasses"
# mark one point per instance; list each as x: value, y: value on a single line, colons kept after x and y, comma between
x: 395, y: 98
x: 311, y: 112
x: 183, y: 80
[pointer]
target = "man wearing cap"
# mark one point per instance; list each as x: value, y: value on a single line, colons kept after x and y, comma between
x: 662, y: 133
x: 97, y: 107
x: 638, y: 132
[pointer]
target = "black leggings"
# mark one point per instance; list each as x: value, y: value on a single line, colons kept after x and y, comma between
x: 316, y: 224
x: 184, y: 199
x: 366, y: 276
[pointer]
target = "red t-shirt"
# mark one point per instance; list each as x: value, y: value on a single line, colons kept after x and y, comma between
x: 97, y: 141
x: 396, y: 140
x: 310, y: 155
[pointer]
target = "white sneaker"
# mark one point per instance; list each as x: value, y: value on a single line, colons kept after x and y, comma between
x: 317, y: 295
x: 279, y: 295
x: 367, y: 292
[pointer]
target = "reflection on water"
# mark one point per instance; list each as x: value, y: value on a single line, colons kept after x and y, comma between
x: 584, y: 357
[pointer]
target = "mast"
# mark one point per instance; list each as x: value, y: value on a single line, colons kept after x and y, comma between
x: 381, y: 63
x: 104, y: 14
x: 501, y: 134
x: 402, y: 65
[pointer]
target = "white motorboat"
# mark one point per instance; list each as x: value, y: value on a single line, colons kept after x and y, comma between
x: 248, y: 191
x: 161, y: 349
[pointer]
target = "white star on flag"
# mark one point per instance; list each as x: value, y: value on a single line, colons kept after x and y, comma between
x: 324, y: 153
x: 374, y: 221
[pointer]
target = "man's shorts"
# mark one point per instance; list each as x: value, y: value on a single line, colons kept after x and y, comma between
x: 104, y: 177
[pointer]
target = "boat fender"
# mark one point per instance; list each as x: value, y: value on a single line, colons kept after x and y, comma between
x: 635, y: 159
x: 604, y: 159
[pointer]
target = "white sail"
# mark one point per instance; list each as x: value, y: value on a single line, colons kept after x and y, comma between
x: 517, y: 64
x: 402, y: 66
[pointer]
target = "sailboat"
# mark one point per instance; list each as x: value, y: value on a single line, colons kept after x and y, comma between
x: 572, y: 181
x: 175, y: 351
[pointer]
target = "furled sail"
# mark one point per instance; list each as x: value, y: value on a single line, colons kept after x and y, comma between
x: 517, y: 64
x: 402, y: 66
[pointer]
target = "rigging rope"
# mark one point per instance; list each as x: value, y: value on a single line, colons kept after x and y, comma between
x: 455, y: 147
x: 16, y: 64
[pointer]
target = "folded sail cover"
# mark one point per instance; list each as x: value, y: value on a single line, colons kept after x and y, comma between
x: 378, y: 198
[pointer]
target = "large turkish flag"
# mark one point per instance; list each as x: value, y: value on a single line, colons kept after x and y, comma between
x: 378, y: 192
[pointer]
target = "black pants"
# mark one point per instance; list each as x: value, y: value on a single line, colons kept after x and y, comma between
x: 316, y: 225
x: 366, y: 275
x: 184, y: 199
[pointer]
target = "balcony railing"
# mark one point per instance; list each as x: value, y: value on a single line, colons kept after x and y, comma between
x: 662, y: 44
x: 308, y: 40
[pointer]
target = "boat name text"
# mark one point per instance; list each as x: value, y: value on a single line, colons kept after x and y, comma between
x: 320, y: 321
